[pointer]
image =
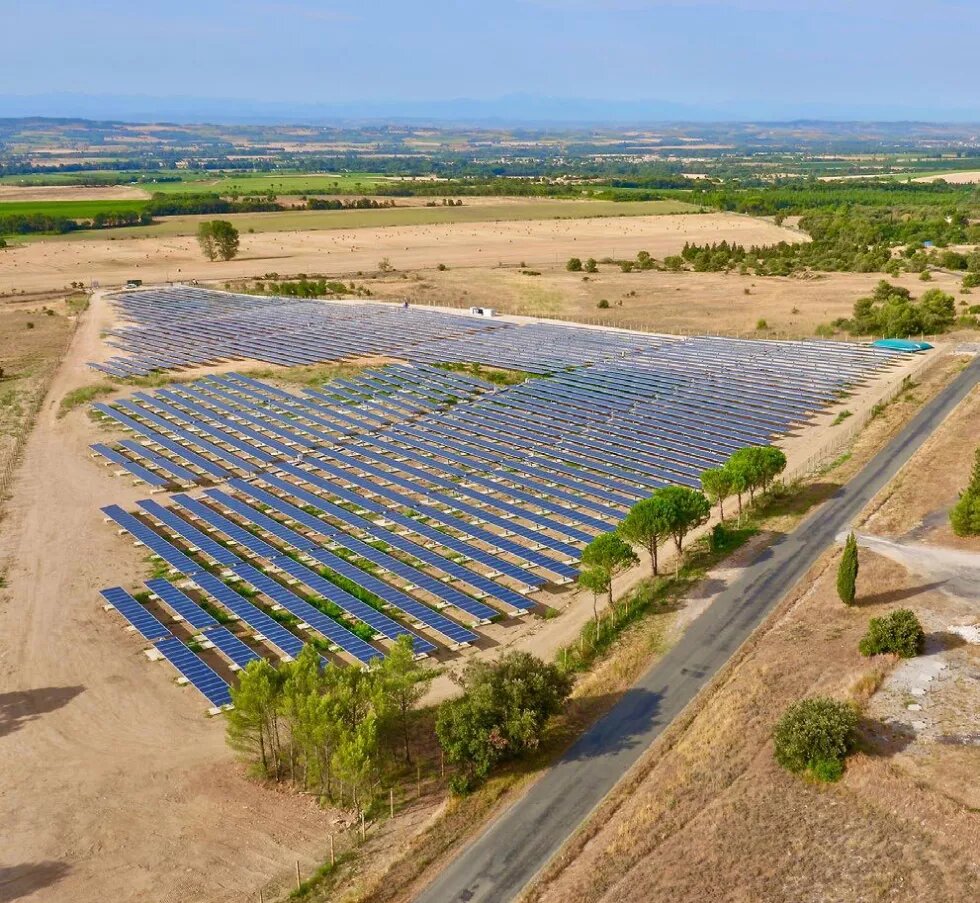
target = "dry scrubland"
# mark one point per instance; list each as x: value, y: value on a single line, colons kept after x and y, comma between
x: 52, y: 264
x: 709, y: 815
x: 32, y: 341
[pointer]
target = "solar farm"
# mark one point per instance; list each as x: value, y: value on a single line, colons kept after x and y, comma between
x: 411, y: 499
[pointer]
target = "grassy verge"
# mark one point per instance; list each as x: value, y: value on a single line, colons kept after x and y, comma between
x: 497, y: 375
x: 311, y: 375
x: 84, y: 395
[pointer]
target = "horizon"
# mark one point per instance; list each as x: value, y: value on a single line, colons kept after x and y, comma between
x: 535, y: 60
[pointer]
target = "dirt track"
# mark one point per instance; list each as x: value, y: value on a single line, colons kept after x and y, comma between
x: 111, y: 777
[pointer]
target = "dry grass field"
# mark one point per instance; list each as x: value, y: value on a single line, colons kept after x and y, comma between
x: 711, y: 816
x: 660, y: 301
x: 344, y: 251
x: 33, y: 337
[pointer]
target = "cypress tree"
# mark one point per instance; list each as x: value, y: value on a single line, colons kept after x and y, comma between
x: 847, y: 572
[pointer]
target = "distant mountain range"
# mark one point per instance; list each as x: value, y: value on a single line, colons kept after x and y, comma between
x: 511, y: 110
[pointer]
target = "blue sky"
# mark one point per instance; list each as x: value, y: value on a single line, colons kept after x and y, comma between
x: 748, y: 56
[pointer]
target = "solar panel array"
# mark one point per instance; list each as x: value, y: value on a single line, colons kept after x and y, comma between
x: 412, y: 500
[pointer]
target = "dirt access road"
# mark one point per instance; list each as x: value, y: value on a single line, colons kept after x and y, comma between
x: 501, y: 862
x: 113, y: 785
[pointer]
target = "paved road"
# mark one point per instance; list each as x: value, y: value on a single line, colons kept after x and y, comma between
x: 521, y: 841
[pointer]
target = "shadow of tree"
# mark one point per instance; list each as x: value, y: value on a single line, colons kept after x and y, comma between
x: 17, y: 881
x: 22, y: 706
x: 884, y: 738
x: 940, y: 640
x: 622, y: 727
x: 897, y: 595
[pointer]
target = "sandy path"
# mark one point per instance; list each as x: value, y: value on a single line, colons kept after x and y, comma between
x: 53, y: 264
x: 957, y: 572
x: 110, y: 777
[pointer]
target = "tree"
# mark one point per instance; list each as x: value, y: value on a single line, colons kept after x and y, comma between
x: 598, y: 582
x: 847, y: 571
x: 772, y: 463
x: 591, y: 266
x: 686, y: 509
x: 404, y: 682
x: 607, y: 555
x: 900, y: 632
x: 964, y: 516
x: 815, y: 735
x: 205, y: 238
x: 218, y: 238
x: 647, y: 524
x: 226, y: 238
x: 717, y: 484
x: 574, y: 265
x: 501, y: 714
x: 253, y: 726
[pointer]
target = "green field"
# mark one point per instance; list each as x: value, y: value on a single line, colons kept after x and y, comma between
x: 308, y: 220
x: 194, y: 181
x: 69, y: 209
x: 262, y: 183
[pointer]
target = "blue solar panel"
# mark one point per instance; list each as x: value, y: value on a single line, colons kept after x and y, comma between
x: 147, y: 625
x: 189, y: 533
x: 212, y: 686
x: 153, y: 541
x: 231, y: 647
x: 265, y: 626
x: 300, y: 608
x: 137, y: 470
x: 181, y: 603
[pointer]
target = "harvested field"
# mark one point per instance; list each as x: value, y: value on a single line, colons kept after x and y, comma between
x: 71, y: 193
x: 713, y: 816
x: 954, y: 178
x: 342, y: 250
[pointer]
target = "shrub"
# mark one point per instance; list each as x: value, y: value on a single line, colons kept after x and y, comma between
x: 761, y: 324
x: 591, y: 266
x: 574, y: 265
x: 603, y: 304
x: 814, y: 735
x: 899, y: 632
x: 971, y: 280
x: 501, y: 714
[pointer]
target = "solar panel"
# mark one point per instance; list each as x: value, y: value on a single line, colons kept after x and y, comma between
x: 181, y: 603
x: 213, y: 687
x: 237, y: 652
x: 144, y: 622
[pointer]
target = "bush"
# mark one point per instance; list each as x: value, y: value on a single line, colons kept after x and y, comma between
x: 761, y: 325
x: 501, y: 714
x: 815, y: 735
x: 574, y: 265
x: 899, y: 632
x: 603, y: 304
